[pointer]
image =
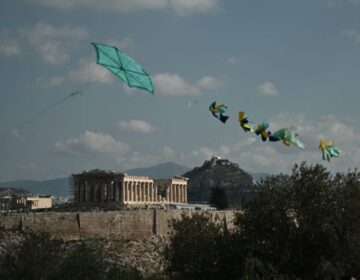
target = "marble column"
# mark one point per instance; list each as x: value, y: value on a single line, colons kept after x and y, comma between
x: 111, y: 190
x: 171, y: 193
x: 116, y: 191
x: 107, y: 191
x: 81, y: 192
x: 128, y: 191
x: 87, y: 198
x: 150, y: 192
x: 143, y: 190
x: 176, y: 193
x: 152, y: 195
x: 125, y: 198
x: 101, y: 185
x: 146, y: 194
x: 95, y: 192
x: 147, y: 188
x: 181, y: 194
x: 139, y: 190
x: 135, y: 191
x: 131, y: 194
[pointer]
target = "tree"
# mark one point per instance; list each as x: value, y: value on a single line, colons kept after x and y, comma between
x: 37, y: 256
x: 218, y: 198
x: 199, y: 248
x: 304, y: 224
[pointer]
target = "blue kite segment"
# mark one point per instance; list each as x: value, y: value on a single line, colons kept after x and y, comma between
x: 328, y: 149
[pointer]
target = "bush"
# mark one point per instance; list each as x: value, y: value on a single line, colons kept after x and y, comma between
x: 300, y: 226
x: 197, y: 249
x: 39, y: 257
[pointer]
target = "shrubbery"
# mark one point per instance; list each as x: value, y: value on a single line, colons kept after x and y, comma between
x: 300, y: 226
x: 38, y: 257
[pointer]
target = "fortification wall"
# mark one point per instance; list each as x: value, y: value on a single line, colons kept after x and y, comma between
x: 59, y: 225
x: 132, y: 225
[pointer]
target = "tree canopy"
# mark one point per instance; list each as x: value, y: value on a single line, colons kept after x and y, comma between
x: 305, y: 225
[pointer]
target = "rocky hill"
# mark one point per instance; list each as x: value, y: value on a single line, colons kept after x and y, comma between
x: 219, y: 173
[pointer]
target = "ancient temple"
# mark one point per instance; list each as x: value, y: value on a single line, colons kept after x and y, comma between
x: 98, y: 187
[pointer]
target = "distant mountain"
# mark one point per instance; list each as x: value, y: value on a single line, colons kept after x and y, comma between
x: 56, y: 187
x: 217, y: 172
x: 161, y: 171
x: 60, y: 186
x: 13, y: 191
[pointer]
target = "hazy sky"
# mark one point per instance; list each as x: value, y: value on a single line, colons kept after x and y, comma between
x: 293, y: 63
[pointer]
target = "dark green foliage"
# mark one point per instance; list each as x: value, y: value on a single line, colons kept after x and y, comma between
x: 300, y: 226
x: 196, y: 250
x: 306, y: 225
x: 218, y: 198
x: 36, y: 257
x: 42, y: 258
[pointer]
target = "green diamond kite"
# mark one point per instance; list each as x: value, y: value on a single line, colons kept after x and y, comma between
x: 123, y: 66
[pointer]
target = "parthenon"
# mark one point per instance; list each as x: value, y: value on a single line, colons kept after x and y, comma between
x: 115, y: 188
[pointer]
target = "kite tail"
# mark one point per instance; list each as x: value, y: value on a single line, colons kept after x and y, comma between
x: 223, y: 118
x: 273, y: 138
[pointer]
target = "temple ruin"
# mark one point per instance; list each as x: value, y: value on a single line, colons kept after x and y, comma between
x: 110, y: 188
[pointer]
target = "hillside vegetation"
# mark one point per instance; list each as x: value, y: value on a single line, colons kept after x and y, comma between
x: 300, y: 226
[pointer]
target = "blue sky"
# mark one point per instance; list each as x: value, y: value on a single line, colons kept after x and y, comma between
x: 293, y: 63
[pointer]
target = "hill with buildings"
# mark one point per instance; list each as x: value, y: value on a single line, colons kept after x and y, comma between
x: 223, y: 173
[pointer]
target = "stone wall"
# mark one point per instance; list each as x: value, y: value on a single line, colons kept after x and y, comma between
x: 59, y: 225
x: 132, y: 225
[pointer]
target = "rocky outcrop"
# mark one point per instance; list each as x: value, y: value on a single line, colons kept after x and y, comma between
x: 222, y: 173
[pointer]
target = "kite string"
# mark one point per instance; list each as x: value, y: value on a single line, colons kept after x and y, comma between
x: 47, y: 109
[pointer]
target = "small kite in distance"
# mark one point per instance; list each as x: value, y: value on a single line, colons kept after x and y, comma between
x: 218, y: 111
x: 245, y: 123
x: 328, y: 149
x: 262, y: 130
